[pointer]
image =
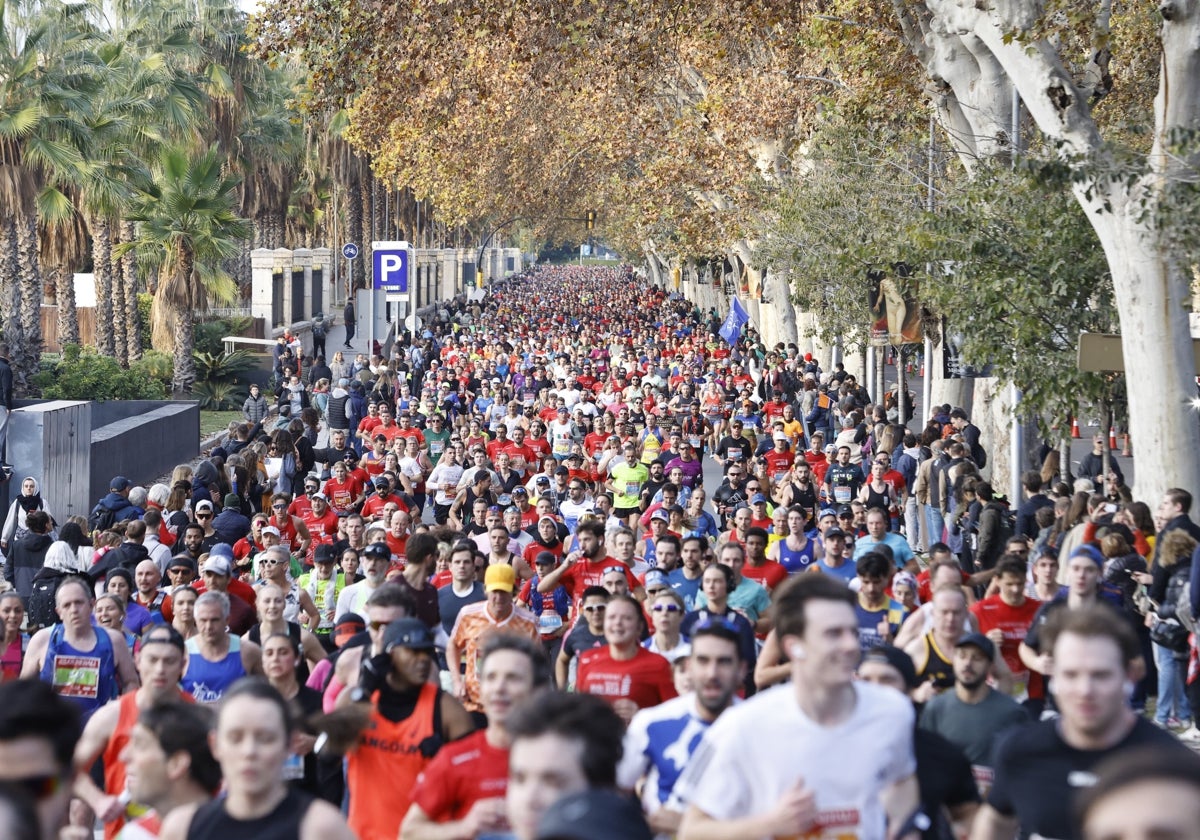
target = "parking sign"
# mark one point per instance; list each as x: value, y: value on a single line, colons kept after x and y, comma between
x: 391, y: 264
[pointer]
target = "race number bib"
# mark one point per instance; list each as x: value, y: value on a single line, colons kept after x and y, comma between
x: 77, y: 676
x: 841, y: 495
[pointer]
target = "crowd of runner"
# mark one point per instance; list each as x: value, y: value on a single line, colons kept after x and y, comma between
x: 579, y: 562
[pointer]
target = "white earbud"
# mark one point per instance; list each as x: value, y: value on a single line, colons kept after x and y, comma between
x: 796, y: 652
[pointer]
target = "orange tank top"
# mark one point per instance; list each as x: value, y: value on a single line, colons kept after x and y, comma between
x: 114, y: 767
x: 383, y: 768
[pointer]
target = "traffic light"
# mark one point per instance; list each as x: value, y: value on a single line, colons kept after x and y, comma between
x: 590, y: 221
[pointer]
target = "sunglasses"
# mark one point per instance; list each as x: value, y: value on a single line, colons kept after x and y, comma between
x: 595, y: 608
x: 715, y: 621
x: 204, y: 516
x: 670, y: 608
x: 376, y: 626
x: 283, y: 507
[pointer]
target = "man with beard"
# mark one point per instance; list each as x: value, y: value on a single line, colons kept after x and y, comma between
x: 661, y: 739
x: 973, y: 714
x: 586, y: 567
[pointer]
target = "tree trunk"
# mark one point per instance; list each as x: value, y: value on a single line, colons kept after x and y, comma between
x: 29, y: 354
x: 185, y: 366
x: 10, y: 297
x: 119, y: 326
x: 102, y: 270
x: 68, y: 315
x: 364, y: 209
x: 354, y: 228
x: 1157, y: 347
x: 133, y: 334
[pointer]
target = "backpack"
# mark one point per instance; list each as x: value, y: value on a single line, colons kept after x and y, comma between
x: 318, y: 329
x: 41, y: 602
x: 101, y: 518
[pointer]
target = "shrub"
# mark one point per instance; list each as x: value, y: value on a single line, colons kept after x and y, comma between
x: 157, y: 365
x: 86, y: 375
x: 217, y: 395
x: 222, y: 367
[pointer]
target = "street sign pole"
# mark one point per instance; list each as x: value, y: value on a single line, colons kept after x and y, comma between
x: 350, y: 252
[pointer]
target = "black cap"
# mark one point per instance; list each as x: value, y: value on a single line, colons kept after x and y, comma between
x: 897, y: 658
x: 844, y: 510
x: 594, y: 814
x: 980, y: 641
x: 324, y: 553
x: 377, y: 549
x: 835, y: 532
x: 409, y: 633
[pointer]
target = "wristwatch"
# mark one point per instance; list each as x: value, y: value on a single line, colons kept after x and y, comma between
x: 359, y: 695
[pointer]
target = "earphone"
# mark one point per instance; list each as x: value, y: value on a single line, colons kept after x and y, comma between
x: 796, y: 652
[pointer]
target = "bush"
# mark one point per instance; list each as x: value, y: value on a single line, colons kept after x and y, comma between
x: 86, y: 375
x: 222, y: 367
x: 209, y: 333
x: 158, y: 365
x: 145, y: 303
x: 216, y: 395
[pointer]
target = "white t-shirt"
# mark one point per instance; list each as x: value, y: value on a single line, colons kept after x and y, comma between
x: 757, y: 751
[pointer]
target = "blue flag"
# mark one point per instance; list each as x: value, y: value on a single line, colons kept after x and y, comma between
x: 734, y: 321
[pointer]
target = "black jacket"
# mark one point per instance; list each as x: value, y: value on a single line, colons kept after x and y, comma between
x: 25, y: 560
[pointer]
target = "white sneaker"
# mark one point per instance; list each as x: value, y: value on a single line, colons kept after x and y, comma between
x: 1191, y: 735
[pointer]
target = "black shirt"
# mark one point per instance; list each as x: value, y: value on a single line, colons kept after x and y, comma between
x: 945, y: 779
x: 1038, y: 773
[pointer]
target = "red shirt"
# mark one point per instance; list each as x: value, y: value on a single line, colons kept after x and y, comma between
x: 398, y: 546
x: 992, y: 614
x: 411, y: 433
x: 770, y: 574
x: 376, y: 503
x: 322, y: 529
x: 587, y: 573
x: 495, y: 447
x: 925, y: 589
x: 593, y: 444
x: 778, y: 464
x: 645, y: 679
x: 368, y: 424
x: 523, y: 458
x: 539, y: 445
x: 462, y: 773
x: 341, y: 494
x: 302, y: 507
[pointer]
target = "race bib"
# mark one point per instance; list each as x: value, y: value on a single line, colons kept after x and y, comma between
x: 77, y: 676
x: 695, y: 442
x: 562, y: 447
x: 549, y: 621
x: 293, y: 767
x: 436, y: 447
x: 841, y: 495
x: 631, y: 488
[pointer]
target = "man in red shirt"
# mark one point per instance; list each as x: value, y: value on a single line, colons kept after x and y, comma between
x: 408, y: 430
x: 586, y: 567
x: 523, y: 457
x: 386, y: 427
x: 366, y: 426
x: 624, y: 673
x: 498, y: 444
x: 321, y: 521
x: 462, y: 790
x: 758, y: 568
x: 1006, y: 618
x: 779, y: 460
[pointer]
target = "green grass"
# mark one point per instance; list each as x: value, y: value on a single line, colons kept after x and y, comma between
x: 212, y: 422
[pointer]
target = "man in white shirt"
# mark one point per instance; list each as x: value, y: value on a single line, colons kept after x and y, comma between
x: 824, y: 754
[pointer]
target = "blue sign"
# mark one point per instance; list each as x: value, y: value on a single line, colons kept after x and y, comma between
x: 391, y: 270
x: 350, y: 250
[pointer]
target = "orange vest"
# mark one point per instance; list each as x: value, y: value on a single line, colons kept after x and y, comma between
x: 383, y: 768
x: 114, y: 767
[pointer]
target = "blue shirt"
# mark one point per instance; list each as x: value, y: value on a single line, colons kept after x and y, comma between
x: 689, y: 589
x: 658, y: 744
x: 901, y: 552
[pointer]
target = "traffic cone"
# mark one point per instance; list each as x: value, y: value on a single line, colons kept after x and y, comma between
x: 1126, y: 451
x: 1112, y: 439
x: 1075, y: 427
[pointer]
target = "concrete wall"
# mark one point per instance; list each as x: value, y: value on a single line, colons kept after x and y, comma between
x: 74, y: 448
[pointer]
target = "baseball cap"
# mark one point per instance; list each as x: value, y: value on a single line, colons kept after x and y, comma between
x: 221, y: 550
x: 542, y: 479
x: 203, y: 504
x: 270, y: 529
x: 835, y: 532
x: 594, y: 814
x: 218, y: 566
x: 232, y: 500
x: 347, y: 625
x: 408, y: 633
x: 660, y: 514
x: 324, y: 554
x: 499, y: 577
x: 320, y: 496
x: 980, y: 641
x: 827, y: 512
x: 376, y: 549
x: 896, y: 658
x: 758, y: 498
x: 120, y: 483
x: 520, y: 491
x: 656, y: 577
x: 545, y: 558
x: 181, y: 562
x: 844, y: 510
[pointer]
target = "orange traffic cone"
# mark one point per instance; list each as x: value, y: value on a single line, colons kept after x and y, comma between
x: 1112, y: 439
x: 1127, y: 451
x: 1075, y: 427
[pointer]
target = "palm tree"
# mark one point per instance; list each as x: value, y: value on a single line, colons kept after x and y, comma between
x: 187, y: 226
x: 46, y: 80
